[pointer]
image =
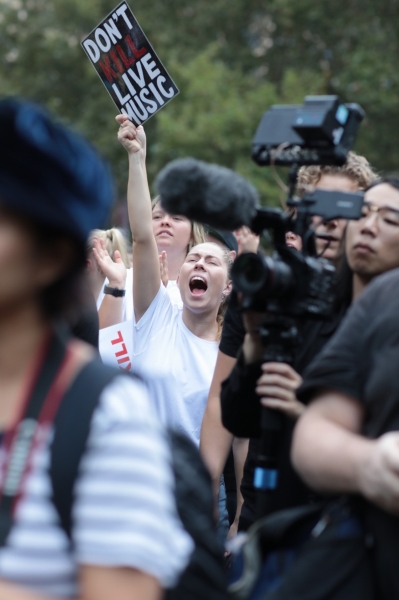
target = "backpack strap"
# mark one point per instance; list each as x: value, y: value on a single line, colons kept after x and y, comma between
x: 71, y: 430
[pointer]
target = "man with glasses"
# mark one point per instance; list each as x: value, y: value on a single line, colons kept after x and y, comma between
x: 372, y: 243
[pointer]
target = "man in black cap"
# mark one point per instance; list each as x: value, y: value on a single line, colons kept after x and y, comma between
x: 221, y: 237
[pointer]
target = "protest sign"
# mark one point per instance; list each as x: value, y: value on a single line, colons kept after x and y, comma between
x: 124, y: 59
x: 116, y: 345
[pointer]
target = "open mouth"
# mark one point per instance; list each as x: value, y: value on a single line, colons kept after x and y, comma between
x: 198, y: 285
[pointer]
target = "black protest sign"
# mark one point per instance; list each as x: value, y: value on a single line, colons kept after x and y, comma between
x: 124, y: 59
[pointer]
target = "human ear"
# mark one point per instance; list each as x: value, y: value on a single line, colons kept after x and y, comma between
x: 227, y: 290
x: 89, y: 264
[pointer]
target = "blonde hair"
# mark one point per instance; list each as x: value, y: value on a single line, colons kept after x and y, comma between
x: 357, y: 168
x: 197, y: 230
x: 114, y: 239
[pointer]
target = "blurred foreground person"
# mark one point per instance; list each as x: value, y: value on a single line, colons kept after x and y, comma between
x: 117, y: 535
x: 347, y: 439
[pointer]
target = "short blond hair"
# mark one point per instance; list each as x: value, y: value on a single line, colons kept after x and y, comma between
x: 357, y: 168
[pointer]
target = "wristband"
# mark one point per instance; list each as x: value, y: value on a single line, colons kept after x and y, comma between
x: 114, y: 291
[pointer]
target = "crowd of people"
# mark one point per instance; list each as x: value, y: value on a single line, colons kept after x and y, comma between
x: 88, y: 505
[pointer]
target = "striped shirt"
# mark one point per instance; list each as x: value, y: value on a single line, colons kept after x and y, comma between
x: 124, y: 512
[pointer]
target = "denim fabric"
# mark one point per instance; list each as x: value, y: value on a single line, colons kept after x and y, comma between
x: 223, y: 525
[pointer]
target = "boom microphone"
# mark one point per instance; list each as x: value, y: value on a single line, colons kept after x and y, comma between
x: 207, y: 193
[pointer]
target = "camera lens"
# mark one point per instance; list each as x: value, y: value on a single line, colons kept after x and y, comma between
x: 249, y: 273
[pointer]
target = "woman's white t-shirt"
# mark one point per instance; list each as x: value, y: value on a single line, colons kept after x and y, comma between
x: 128, y: 310
x: 124, y: 513
x: 177, y: 364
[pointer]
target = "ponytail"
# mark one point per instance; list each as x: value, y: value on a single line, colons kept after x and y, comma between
x: 114, y: 239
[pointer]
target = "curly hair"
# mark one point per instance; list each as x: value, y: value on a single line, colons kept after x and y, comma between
x: 356, y: 168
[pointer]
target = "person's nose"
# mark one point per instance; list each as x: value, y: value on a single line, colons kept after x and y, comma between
x: 166, y: 220
x: 369, y: 224
x: 200, y: 264
x: 332, y: 224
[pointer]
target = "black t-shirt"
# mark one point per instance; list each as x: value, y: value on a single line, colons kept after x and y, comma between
x: 362, y: 361
x: 241, y: 410
x: 233, y: 332
x: 232, y: 338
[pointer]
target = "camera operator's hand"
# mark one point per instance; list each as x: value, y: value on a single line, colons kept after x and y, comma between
x: 131, y: 137
x: 277, y: 386
x: 247, y: 240
x: 378, y: 472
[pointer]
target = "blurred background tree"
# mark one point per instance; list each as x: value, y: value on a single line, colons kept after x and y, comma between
x: 231, y: 61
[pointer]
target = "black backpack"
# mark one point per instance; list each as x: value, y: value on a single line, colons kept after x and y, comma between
x: 203, y: 578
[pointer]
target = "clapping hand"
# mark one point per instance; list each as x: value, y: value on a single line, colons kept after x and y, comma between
x: 114, y: 270
x: 163, y: 267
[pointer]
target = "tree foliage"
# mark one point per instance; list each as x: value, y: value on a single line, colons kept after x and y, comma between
x: 231, y: 61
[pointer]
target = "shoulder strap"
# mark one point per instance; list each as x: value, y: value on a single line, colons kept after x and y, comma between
x: 71, y: 430
x: 43, y: 396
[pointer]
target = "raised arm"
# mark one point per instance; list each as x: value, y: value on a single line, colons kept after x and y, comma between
x: 146, y: 277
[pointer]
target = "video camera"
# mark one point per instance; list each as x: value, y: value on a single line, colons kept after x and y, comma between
x: 293, y: 283
x: 319, y: 132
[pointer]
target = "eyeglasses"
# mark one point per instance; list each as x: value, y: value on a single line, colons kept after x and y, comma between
x: 385, y: 214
